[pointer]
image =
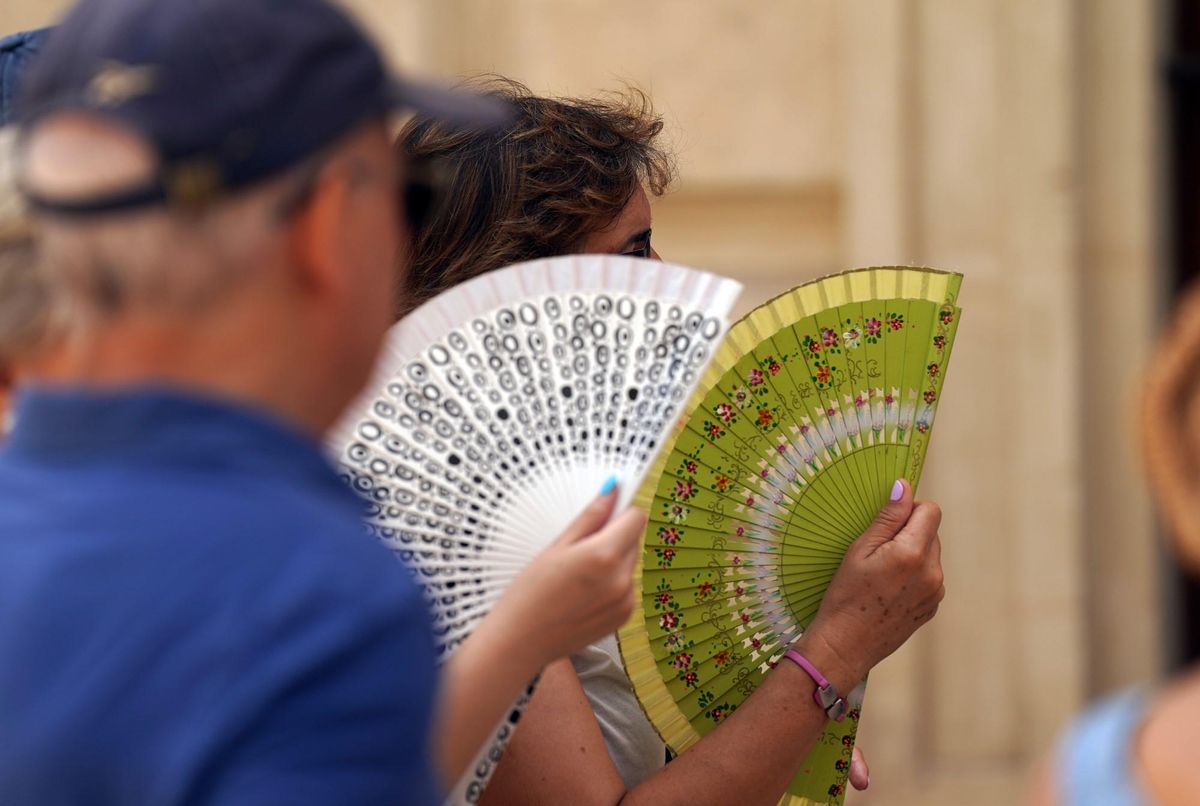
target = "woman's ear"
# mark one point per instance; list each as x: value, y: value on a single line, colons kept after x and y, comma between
x: 1170, y: 427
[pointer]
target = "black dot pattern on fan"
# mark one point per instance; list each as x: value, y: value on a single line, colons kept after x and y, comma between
x: 469, y: 441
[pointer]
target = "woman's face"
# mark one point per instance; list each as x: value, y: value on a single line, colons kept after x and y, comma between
x: 629, y: 233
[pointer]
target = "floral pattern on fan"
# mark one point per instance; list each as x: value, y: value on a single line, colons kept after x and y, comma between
x: 500, y: 408
x: 817, y: 402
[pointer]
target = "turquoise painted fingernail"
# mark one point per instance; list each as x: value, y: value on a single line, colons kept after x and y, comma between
x: 897, y: 490
x: 609, y: 485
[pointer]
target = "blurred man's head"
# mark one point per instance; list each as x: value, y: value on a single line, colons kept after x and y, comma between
x: 292, y: 264
x: 216, y: 196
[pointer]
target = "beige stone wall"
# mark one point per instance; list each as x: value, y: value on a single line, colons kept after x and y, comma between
x: 1009, y: 139
x: 20, y: 15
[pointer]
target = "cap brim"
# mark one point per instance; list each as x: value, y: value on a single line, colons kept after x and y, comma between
x: 456, y: 107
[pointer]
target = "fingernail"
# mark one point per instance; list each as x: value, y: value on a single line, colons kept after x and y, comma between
x: 609, y: 485
x: 897, y: 490
x: 868, y: 784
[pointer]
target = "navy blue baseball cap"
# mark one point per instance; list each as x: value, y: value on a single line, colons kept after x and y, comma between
x: 228, y: 92
x: 15, y: 52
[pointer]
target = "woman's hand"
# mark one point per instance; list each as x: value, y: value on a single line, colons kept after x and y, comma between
x: 580, y: 588
x: 889, y: 584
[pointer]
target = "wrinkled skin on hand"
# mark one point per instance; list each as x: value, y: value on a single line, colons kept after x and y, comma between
x: 890, y: 583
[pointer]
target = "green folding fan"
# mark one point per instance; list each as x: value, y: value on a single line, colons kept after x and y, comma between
x: 814, y: 405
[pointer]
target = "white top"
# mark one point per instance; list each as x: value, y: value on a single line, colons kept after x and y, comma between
x: 631, y: 739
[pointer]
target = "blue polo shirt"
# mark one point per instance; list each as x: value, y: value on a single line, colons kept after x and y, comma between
x: 191, y: 612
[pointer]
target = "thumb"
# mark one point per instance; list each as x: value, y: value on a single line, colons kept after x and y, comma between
x: 619, y: 542
x: 594, y: 516
x: 625, y: 533
x: 891, y: 518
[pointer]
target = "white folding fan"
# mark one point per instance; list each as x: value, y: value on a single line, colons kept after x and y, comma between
x: 499, y: 409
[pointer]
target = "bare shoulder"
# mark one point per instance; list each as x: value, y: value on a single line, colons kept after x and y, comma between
x: 1042, y: 790
x: 1166, y: 747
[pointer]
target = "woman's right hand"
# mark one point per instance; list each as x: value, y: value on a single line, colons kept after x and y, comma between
x: 580, y: 588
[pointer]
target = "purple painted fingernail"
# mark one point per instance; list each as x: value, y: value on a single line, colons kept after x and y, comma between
x: 897, y: 490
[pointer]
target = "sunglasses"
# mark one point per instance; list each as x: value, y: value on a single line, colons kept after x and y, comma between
x: 419, y: 193
x: 642, y: 251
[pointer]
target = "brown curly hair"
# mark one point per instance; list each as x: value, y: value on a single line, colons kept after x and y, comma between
x: 562, y: 169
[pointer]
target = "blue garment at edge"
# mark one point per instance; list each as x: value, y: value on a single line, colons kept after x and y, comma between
x: 1095, y: 758
x: 192, y: 613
